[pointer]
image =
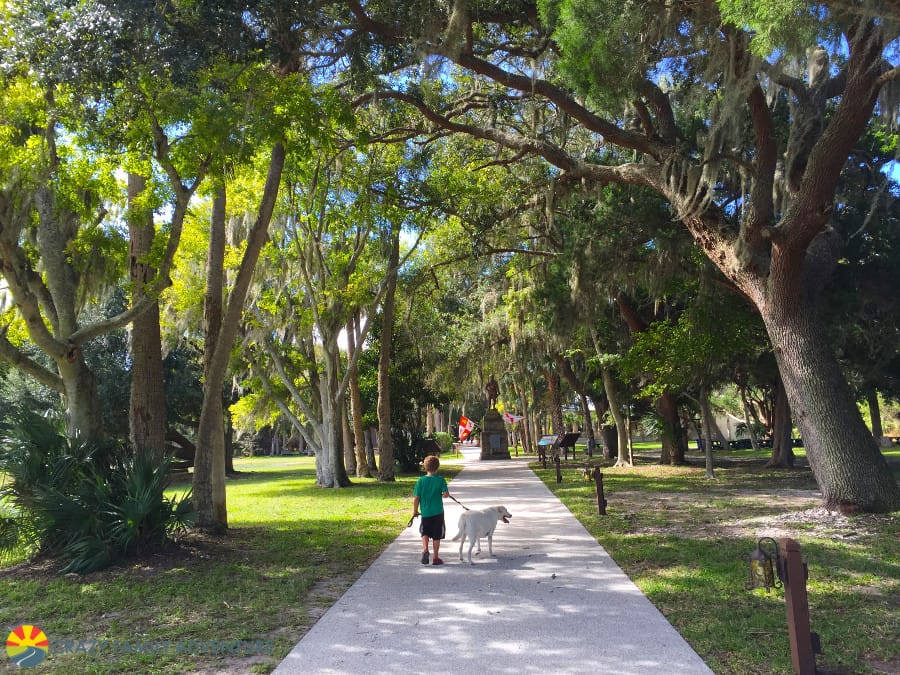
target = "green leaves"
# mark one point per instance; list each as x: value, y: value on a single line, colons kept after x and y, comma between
x: 700, y: 347
x: 774, y: 23
x: 606, y: 46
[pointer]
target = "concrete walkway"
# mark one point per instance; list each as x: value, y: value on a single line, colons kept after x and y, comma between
x: 552, y: 601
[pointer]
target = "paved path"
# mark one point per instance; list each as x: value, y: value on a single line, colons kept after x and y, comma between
x: 552, y: 601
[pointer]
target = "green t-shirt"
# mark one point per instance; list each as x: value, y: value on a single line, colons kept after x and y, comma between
x: 430, y: 490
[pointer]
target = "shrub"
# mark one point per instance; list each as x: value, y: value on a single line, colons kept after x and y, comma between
x: 407, y: 450
x: 444, y: 440
x: 87, y: 503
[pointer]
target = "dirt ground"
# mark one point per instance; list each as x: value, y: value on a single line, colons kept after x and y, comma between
x: 779, y: 503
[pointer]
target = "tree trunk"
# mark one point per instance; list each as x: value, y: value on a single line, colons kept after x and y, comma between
x: 609, y: 386
x: 228, y: 446
x: 332, y: 411
x: 588, y: 424
x: 536, y: 415
x: 751, y: 429
x: 749, y: 418
x: 528, y: 443
x: 875, y: 416
x: 849, y: 468
x: 147, y: 408
x: 385, y: 441
x: 362, y: 465
x: 706, y: 414
x: 370, y: 451
x: 607, y: 441
x: 612, y: 445
x: 215, y: 275
x: 57, y: 228
x: 347, y: 436
x: 209, y: 467
x: 599, y: 412
x: 565, y: 367
x: 782, y: 447
x: 716, y: 432
x: 554, y: 401
x: 83, y: 412
x: 209, y: 486
x: 673, y: 440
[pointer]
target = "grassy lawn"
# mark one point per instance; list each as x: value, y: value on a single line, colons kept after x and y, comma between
x: 682, y: 539
x: 291, y: 551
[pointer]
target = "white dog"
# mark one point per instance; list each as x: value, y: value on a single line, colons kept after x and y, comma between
x: 473, y: 525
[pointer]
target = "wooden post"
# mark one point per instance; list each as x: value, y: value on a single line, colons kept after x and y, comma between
x: 601, y: 499
x: 794, y: 578
x: 558, y: 472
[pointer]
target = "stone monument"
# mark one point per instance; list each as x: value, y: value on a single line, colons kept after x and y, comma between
x: 494, y: 439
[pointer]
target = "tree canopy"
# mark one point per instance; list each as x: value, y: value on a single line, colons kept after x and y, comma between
x: 599, y: 203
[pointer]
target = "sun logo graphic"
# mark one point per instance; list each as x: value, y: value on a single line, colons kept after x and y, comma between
x: 27, y: 646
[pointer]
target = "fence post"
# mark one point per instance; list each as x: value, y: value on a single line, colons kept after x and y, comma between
x: 558, y: 472
x: 794, y: 575
x: 601, y: 499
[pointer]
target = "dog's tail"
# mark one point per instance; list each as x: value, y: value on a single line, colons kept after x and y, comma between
x: 461, y: 526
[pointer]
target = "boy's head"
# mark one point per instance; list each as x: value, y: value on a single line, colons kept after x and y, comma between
x: 431, y: 463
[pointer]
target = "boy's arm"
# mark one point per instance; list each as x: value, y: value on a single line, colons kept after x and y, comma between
x: 415, y: 506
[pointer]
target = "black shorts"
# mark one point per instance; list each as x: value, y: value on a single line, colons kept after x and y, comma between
x: 433, y: 527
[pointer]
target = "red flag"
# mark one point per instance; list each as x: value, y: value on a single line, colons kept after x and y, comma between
x: 509, y: 418
x: 465, y: 427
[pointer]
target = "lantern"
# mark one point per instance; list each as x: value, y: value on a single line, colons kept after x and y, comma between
x: 765, y: 564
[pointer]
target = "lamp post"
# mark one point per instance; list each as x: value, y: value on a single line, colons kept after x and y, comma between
x: 783, y: 560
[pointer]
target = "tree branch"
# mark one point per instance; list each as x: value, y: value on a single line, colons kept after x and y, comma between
x: 814, y: 202
x: 564, y: 102
x: 665, y: 118
x: 794, y: 84
x: 887, y: 76
x: 16, y: 271
x: 624, y: 173
x: 13, y: 356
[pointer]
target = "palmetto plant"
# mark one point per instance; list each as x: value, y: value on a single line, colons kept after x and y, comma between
x: 89, y: 504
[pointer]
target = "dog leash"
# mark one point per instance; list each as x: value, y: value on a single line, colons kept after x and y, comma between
x: 459, y: 502
x: 409, y: 524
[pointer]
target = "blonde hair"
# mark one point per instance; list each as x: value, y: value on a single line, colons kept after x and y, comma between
x: 431, y: 463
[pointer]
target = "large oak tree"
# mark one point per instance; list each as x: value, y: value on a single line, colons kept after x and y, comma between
x: 718, y: 109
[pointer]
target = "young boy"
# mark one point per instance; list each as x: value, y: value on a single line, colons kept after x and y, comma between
x: 428, y: 499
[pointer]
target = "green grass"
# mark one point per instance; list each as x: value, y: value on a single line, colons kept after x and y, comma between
x: 683, y: 539
x: 291, y: 550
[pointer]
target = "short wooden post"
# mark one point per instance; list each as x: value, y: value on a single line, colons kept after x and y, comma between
x: 601, y: 499
x: 793, y: 573
x: 558, y: 471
